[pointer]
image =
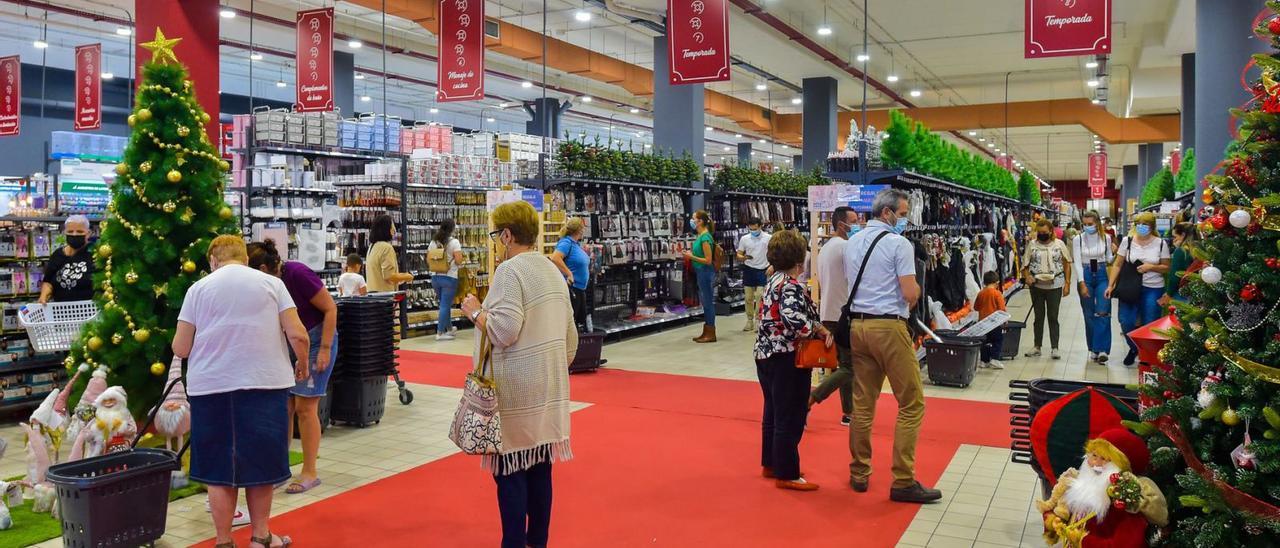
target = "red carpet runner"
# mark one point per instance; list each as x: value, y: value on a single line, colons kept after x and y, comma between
x: 660, y: 460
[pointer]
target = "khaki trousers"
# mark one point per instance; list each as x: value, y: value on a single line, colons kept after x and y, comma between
x: 882, y: 348
x: 752, y: 310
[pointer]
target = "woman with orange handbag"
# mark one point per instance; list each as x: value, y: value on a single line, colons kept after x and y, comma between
x: 788, y: 317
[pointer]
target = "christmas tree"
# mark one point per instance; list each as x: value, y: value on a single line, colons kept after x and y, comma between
x: 166, y: 206
x: 1214, y: 422
x: 1028, y: 188
x: 1158, y: 189
x: 1185, y: 180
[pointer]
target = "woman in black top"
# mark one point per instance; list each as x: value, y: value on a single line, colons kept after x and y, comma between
x: 69, y: 274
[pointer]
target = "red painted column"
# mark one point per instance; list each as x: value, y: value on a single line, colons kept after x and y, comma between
x: 196, y: 23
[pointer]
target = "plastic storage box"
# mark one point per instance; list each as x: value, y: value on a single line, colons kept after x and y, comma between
x: 954, y: 361
x: 359, y: 401
x: 117, y: 499
x: 1012, y: 340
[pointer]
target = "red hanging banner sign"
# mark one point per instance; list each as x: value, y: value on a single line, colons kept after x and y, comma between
x: 1097, y: 192
x: 1005, y: 162
x: 698, y: 41
x: 1057, y: 28
x: 11, y: 96
x: 1098, y: 169
x: 314, y: 79
x: 88, y: 113
x: 1175, y: 161
x: 460, y: 69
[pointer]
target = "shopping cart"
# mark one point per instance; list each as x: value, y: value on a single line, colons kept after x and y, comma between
x: 53, y: 327
x: 117, y: 499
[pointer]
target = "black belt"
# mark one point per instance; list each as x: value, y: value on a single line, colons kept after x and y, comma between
x: 861, y: 316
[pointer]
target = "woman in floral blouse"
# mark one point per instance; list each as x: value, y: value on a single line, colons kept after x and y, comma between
x: 787, y: 314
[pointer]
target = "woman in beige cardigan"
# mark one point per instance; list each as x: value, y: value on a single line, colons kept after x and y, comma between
x: 529, y: 321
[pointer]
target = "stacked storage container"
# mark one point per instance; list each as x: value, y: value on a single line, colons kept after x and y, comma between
x: 366, y: 356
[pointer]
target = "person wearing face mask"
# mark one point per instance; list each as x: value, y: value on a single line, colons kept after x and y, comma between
x: 705, y: 270
x: 1184, y: 236
x: 1137, y: 277
x: 752, y: 251
x: 880, y: 264
x: 383, y: 268
x: 1091, y: 252
x: 833, y: 291
x: 68, y: 276
x: 1046, y: 266
x: 526, y: 323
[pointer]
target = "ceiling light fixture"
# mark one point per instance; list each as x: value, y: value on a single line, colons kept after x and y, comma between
x: 489, y: 119
x: 915, y: 93
x: 281, y: 84
x: 124, y: 31
x: 526, y: 84
x: 824, y: 30
x: 359, y: 76
x: 586, y: 98
x: 862, y: 57
x: 365, y: 98
x: 354, y: 44
x: 762, y: 141
x: 582, y: 16
x: 761, y: 87
x: 227, y: 13
x: 796, y: 100
x: 108, y: 76
x: 635, y: 110
x: 434, y: 110
x: 1091, y: 64
x: 255, y: 56
x: 737, y: 135
x: 991, y: 145
x: 1092, y: 83
x: 40, y: 44
x: 893, y: 78
x: 982, y: 139
x: 972, y: 133
x: 648, y: 145
x: 726, y: 148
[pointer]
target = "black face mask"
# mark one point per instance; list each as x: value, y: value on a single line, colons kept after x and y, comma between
x: 76, y: 242
x: 1043, y: 237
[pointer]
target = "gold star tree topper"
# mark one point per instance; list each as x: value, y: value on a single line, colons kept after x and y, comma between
x: 162, y: 48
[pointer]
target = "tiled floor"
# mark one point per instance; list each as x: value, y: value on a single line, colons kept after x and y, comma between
x: 987, y: 499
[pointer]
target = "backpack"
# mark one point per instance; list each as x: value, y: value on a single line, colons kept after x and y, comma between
x: 717, y: 256
x: 437, y: 259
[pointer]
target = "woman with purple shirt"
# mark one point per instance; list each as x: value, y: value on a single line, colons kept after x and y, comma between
x: 319, y: 314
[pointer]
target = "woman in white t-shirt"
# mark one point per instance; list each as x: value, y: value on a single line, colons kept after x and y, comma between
x: 446, y: 283
x: 1092, y: 254
x: 1142, y: 253
x: 238, y: 381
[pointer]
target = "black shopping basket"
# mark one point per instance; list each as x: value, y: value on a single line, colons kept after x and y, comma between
x: 117, y: 499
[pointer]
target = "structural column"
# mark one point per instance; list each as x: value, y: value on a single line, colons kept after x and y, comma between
x: 344, y: 82
x: 196, y: 23
x: 1132, y: 188
x: 1224, y: 43
x: 744, y: 154
x: 546, y: 114
x: 679, y: 118
x: 1150, y: 161
x: 818, y: 121
x: 1188, y: 133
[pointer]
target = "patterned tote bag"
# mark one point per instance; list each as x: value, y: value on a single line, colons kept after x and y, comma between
x: 477, y: 427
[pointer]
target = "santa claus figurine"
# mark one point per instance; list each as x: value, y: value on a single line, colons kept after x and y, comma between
x: 173, y: 419
x: 1107, y: 503
x: 111, y: 429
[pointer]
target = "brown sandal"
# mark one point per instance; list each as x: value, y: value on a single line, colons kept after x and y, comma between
x: 285, y: 541
x: 231, y: 544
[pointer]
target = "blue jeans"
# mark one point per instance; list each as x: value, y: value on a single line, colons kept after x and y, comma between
x: 992, y: 347
x: 524, y: 502
x: 446, y: 288
x: 1097, y: 311
x: 1135, y: 315
x: 707, y: 293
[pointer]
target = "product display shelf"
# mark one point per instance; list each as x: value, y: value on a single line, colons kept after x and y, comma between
x: 899, y: 178
x: 425, y: 207
x: 730, y: 211
x: 581, y: 181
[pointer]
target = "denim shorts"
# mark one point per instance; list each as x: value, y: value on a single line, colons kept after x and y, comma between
x: 753, y: 277
x: 318, y: 381
x: 240, y: 438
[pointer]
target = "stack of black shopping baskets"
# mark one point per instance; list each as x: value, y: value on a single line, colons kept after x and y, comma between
x: 366, y: 357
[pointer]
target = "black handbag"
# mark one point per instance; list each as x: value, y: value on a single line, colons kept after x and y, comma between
x: 842, y: 340
x: 1129, y: 281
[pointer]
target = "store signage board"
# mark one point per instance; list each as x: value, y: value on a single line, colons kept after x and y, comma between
x: 10, y: 96
x: 76, y: 175
x: 1097, y: 192
x: 534, y: 197
x: 698, y: 41
x: 1098, y: 169
x: 822, y: 198
x: 313, y: 81
x: 495, y: 198
x: 88, y: 109
x: 858, y: 197
x: 460, y: 69
x: 1175, y: 161
x: 1058, y: 28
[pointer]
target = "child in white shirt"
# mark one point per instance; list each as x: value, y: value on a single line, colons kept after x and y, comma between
x: 351, y: 283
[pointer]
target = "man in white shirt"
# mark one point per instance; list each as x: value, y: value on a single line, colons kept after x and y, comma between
x: 233, y: 329
x: 753, y: 251
x: 833, y: 288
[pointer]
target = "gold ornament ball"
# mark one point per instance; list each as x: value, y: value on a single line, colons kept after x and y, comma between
x: 117, y: 338
x: 122, y: 169
x: 1211, y: 344
x: 189, y: 266
x: 157, y: 369
x: 144, y: 114
x: 204, y: 117
x: 95, y: 343
x: 183, y: 131
x: 133, y: 119
x: 174, y: 176
x: 145, y: 166
x: 224, y: 213
x: 131, y: 277
x: 1230, y: 417
x: 142, y: 335
x: 169, y: 206
x: 224, y: 165
x: 1163, y: 354
x: 104, y: 250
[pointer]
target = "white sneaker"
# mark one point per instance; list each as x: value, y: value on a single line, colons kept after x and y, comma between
x: 995, y: 364
x: 446, y: 336
x: 1093, y: 356
x: 1102, y: 357
x: 453, y: 329
x: 1054, y: 354
x: 241, y: 517
x: 748, y: 327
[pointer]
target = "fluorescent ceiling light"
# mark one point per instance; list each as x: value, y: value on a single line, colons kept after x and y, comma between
x: 526, y: 84
x: 991, y: 145
x: 982, y: 139
x: 40, y: 44
x: 434, y: 110
x: 893, y: 78
x: 770, y: 156
x: 124, y: 31
x: 108, y: 76
x: 582, y: 16
x: 365, y: 98
x: 635, y: 110
x: 796, y: 101
x: 647, y: 145
x: 737, y: 135
x: 1003, y: 154
x: 354, y: 44
x: 280, y: 83
x: 255, y: 56
x: 586, y: 98
x: 726, y: 148
x: 709, y: 128
x: 862, y: 57
x: 227, y: 13
x: 915, y: 93
x: 503, y: 105
x: 489, y: 119
x: 1092, y: 83
x: 761, y: 87
x: 972, y: 133
x: 824, y: 30
x: 359, y: 76
x: 1091, y: 64
x: 762, y: 141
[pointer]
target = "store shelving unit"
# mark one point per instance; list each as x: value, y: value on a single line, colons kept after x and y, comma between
x: 730, y: 209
